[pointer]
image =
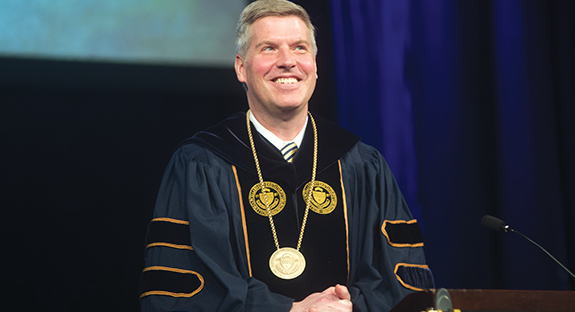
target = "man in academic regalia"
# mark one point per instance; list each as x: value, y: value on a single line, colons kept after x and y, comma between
x: 277, y: 209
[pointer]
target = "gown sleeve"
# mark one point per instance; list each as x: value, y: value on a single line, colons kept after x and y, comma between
x: 386, y: 245
x: 195, y: 252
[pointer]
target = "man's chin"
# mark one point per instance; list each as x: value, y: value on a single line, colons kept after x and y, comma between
x: 292, y: 107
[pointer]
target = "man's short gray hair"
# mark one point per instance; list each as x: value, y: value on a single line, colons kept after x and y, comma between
x: 262, y: 8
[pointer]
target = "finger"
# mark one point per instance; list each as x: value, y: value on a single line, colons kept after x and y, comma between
x: 342, y: 292
x: 330, y: 290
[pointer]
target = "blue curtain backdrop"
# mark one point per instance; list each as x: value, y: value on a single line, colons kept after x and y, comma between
x: 473, y: 105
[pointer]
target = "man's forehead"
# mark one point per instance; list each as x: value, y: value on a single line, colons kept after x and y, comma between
x: 271, y: 26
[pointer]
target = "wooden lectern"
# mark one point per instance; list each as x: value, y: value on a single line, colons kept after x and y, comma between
x: 493, y: 300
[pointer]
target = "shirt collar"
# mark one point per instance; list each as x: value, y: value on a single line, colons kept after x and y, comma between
x: 277, y: 142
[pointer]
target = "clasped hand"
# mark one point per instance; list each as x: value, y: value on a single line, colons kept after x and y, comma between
x: 333, y: 299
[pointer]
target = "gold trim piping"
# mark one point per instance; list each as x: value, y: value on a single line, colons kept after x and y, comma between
x: 164, y: 268
x: 344, y: 201
x: 173, y: 294
x: 244, y: 225
x: 423, y: 266
x: 171, y: 220
x: 398, y: 222
x: 188, y: 247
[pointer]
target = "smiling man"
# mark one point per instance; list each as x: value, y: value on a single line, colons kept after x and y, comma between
x: 276, y: 209
x: 279, y: 72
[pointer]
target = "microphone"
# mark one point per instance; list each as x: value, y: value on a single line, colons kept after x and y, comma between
x: 496, y: 224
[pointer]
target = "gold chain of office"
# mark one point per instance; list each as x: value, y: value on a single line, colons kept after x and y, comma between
x: 285, y: 263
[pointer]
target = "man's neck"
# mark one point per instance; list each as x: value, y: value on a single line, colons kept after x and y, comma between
x: 274, y: 139
x: 285, y: 126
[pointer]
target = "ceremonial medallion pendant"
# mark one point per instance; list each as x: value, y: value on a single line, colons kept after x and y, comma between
x: 287, y: 263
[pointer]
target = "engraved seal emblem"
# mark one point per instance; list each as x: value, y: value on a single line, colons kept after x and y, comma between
x: 287, y: 263
x: 275, y: 195
x: 323, y: 199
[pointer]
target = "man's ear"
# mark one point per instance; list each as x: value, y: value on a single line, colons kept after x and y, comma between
x: 240, y: 69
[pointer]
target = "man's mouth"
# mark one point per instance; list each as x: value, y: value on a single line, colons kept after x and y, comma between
x: 286, y: 80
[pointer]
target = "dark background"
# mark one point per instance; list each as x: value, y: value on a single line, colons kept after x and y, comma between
x: 472, y: 103
x: 83, y: 146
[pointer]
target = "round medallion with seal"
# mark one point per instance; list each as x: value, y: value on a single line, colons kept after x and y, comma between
x: 276, y: 198
x: 323, y: 200
x: 287, y: 263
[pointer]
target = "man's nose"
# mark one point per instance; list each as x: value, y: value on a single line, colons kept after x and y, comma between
x: 286, y: 58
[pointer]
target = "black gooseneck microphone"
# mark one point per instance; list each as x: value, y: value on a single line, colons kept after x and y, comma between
x: 496, y: 224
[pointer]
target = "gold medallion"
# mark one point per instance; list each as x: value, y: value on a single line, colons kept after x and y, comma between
x: 275, y: 197
x: 323, y: 199
x: 287, y: 263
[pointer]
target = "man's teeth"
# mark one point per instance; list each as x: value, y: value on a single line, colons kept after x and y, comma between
x: 286, y: 80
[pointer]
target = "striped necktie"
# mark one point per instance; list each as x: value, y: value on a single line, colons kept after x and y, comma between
x: 288, y: 150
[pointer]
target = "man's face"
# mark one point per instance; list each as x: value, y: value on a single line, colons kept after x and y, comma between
x: 279, y: 67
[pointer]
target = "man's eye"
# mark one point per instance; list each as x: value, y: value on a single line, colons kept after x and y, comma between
x: 267, y: 49
x: 301, y: 48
